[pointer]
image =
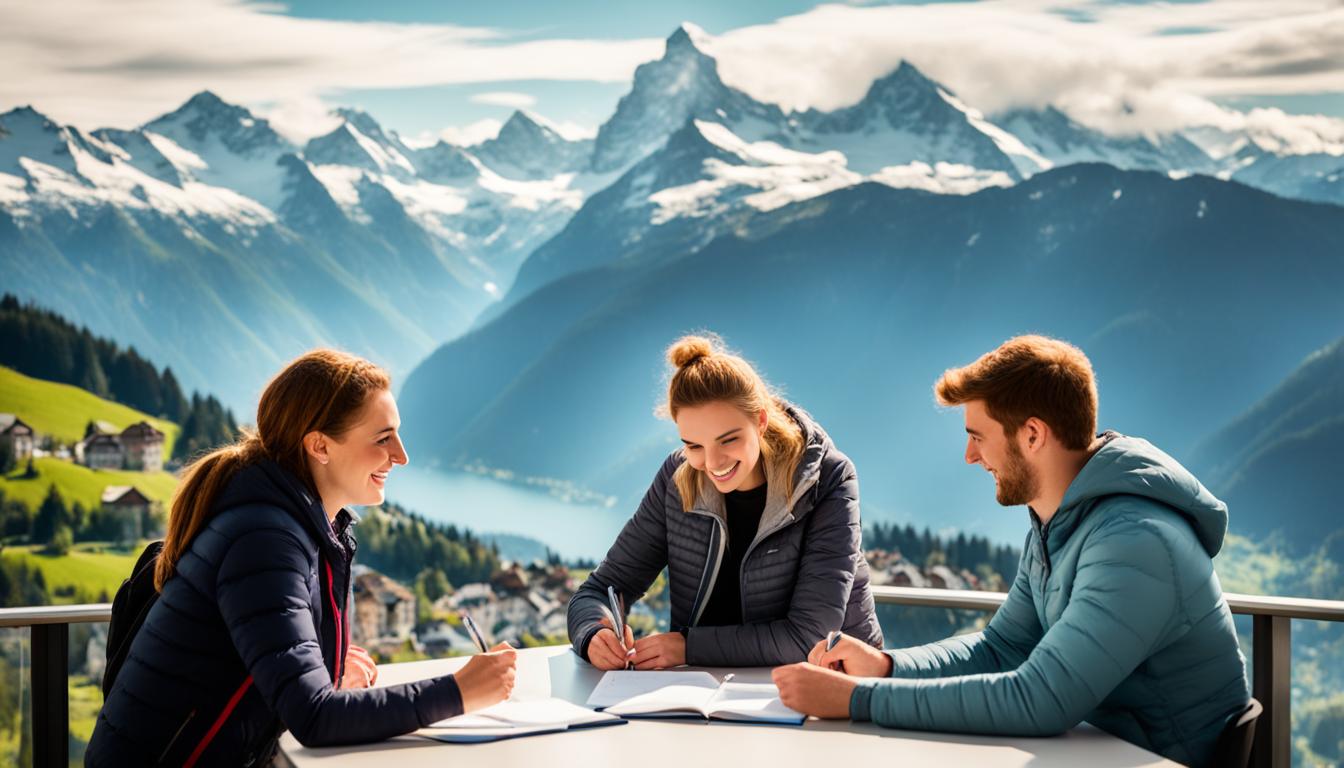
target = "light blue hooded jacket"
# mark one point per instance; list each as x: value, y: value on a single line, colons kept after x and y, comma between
x: 1115, y: 617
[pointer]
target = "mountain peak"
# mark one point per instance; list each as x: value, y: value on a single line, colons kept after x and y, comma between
x: 26, y: 114
x: 361, y: 120
x: 206, y: 99
x: 906, y: 75
x: 522, y: 120
x: 688, y: 37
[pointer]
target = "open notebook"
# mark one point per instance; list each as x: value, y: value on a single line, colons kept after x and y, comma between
x: 690, y: 694
x: 513, y: 718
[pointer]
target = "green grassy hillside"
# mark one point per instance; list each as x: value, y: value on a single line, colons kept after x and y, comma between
x: 79, y: 483
x: 62, y: 410
x: 89, y: 569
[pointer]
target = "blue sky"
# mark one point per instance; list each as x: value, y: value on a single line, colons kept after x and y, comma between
x: 430, y: 69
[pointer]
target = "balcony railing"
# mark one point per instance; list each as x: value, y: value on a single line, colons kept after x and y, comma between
x: 1270, y: 636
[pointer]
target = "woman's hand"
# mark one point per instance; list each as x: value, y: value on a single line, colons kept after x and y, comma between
x: 851, y: 656
x: 488, y: 678
x: 360, y: 670
x: 667, y: 649
x: 811, y: 690
x: 605, y: 651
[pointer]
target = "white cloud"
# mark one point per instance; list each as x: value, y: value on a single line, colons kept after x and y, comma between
x: 505, y: 99
x: 472, y: 133
x: 1113, y: 66
x: 567, y: 129
x: 1116, y: 70
x: 127, y: 62
x: 301, y: 119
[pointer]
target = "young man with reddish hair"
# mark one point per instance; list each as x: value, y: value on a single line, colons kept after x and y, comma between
x: 1115, y: 616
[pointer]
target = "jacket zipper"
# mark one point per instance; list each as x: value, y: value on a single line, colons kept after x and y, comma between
x: 760, y: 537
x: 700, y: 599
x: 742, y: 567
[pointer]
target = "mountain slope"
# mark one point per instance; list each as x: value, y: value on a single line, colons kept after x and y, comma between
x: 1275, y: 464
x: 856, y: 327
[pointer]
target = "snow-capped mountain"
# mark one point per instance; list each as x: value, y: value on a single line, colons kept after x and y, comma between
x: 426, y: 238
x: 528, y: 148
x: 682, y: 85
x: 1063, y: 141
x: 1316, y: 176
x: 225, y: 145
x: 905, y: 118
x: 210, y: 205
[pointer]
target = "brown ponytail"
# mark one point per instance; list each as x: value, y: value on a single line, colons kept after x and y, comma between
x: 323, y: 390
x: 706, y: 372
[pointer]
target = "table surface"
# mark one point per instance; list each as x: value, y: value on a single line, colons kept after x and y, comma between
x: 557, y: 671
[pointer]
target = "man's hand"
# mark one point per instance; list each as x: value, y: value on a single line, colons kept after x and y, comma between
x: 853, y: 657
x: 660, y: 651
x: 605, y: 651
x: 814, y: 691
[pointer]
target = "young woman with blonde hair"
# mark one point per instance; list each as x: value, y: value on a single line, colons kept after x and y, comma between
x: 756, y: 518
x: 250, y: 633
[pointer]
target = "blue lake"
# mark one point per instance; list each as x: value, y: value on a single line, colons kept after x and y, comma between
x: 486, y: 505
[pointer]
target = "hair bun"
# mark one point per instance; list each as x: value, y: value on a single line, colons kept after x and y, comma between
x: 688, y: 349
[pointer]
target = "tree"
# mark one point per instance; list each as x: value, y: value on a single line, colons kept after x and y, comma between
x: 8, y: 461
x: 31, y: 471
x: 50, y: 516
x: 175, y: 407
x: 61, y: 541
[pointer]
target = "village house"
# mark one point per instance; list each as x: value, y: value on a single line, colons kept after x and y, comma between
x: 144, y: 447
x: 384, y: 610
x: 139, y: 447
x: 17, y: 435
x: 128, y: 509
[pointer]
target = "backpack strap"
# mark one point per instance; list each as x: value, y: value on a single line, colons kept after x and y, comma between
x: 129, y: 608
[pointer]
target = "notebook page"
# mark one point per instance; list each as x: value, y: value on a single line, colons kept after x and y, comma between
x: 751, y: 701
x: 619, y: 685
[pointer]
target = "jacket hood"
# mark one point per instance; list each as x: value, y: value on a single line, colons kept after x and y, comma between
x: 1135, y: 467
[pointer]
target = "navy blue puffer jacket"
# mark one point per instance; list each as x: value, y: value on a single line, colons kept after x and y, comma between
x: 248, y: 638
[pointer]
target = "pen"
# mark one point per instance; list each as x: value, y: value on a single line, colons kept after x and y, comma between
x: 618, y: 622
x: 474, y: 631
x: 832, y: 638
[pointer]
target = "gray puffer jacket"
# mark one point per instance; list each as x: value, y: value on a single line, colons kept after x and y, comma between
x: 803, y: 575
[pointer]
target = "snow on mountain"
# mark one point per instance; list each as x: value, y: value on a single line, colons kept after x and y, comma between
x: 1317, y: 176
x: 489, y: 220
x: 761, y: 175
x: 904, y: 118
x: 682, y: 85
x: 239, y: 150
x: 63, y: 169
x: 529, y: 148
x: 350, y: 147
x: 1063, y: 141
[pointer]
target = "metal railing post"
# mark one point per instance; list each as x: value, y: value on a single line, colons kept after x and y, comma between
x: 50, y: 694
x: 1272, y: 647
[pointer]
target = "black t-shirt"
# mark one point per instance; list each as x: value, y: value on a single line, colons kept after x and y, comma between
x: 744, y: 517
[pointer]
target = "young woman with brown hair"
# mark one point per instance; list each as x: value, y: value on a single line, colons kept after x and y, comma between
x: 250, y: 635
x: 756, y: 518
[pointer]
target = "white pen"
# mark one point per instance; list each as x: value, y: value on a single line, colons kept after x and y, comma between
x: 832, y: 638
x: 474, y: 631
x: 618, y: 623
